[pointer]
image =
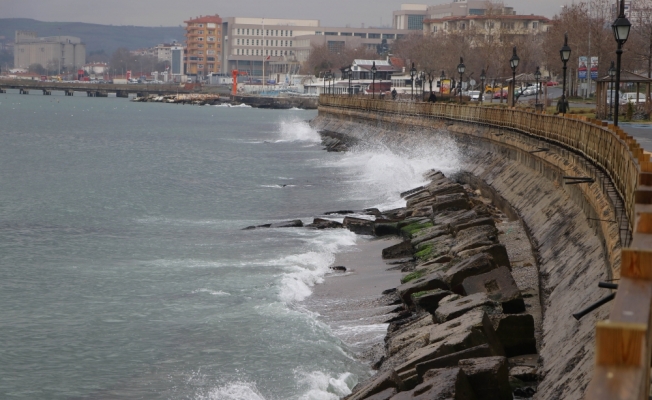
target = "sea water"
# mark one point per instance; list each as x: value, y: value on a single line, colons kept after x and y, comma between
x: 124, y: 269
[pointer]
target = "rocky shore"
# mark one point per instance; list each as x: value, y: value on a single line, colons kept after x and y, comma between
x: 465, y: 329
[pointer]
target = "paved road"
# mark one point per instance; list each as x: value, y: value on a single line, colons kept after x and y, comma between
x: 641, y: 132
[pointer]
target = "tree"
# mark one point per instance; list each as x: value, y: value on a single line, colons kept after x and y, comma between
x: 323, y: 58
x: 36, y: 68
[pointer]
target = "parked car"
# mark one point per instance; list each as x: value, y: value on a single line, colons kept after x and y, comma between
x: 631, y: 97
x: 530, y: 91
x: 474, y: 95
x: 552, y: 83
x: 505, y: 94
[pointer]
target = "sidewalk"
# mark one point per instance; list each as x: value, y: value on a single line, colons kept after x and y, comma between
x: 641, y: 132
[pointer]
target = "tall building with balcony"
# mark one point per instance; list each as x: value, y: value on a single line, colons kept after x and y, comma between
x: 203, y: 45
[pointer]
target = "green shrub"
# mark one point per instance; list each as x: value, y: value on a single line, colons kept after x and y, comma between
x: 415, y: 227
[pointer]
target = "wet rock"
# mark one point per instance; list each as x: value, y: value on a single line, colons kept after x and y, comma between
x: 441, y: 384
x: 454, y: 309
x: 400, y: 250
x: 288, y: 224
x: 497, y: 251
x: 472, y: 266
x: 516, y: 333
x: 499, y: 286
x: 477, y: 322
x: 381, y: 383
x: 445, y: 188
x: 488, y: 377
x: 457, y: 201
x: 386, y: 229
x: 456, y: 227
x: 338, y: 268
x: 386, y: 394
x: 422, y: 284
x: 477, y: 236
x: 359, y: 226
x: 426, y: 211
x: 526, y: 392
x: 525, y: 373
x: 424, y: 198
x: 320, y: 223
x: 429, y: 301
x: 418, y: 337
x: 408, y: 194
x: 428, y: 234
x: 446, y: 219
x: 451, y: 360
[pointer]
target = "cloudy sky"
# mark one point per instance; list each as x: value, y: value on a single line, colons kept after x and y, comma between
x: 174, y: 12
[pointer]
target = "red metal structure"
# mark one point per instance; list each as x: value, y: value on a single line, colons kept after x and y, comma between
x: 236, y: 73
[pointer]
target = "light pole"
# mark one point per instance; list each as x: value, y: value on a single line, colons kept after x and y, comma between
x: 461, y: 68
x: 565, y: 53
x: 413, y: 73
x: 373, y: 80
x: 422, y: 77
x: 513, y: 62
x: 330, y: 79
x: 441, y: 82
x: 483, y: 77
x: 324, y: 78
x: 349, y: 71
x: 620, y: 28
x: 537, y: 77
x: 612, y: 74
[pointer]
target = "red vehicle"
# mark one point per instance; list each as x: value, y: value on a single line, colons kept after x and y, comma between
x: 552, y: 83
x: 497, y: 94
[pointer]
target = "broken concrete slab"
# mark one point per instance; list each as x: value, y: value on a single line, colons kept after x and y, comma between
x: 386, y: 394
x: 382, y: 382
x: 429, y: 301
x: 500, y: 286
x: 478, y: 264
x: 497, y: 251
x: 447, y: 218
x: 457, y: 227
x: 400, y: 250
x: 477, y: 236
x: 454, y: 309
x: 419, y: 337
x: 516, y: 333
x: 359, y: 225
x: 441, y: 384
x: 428, y: 234
x: 488, y: 377
x: 457, y: 201
x: 451, y: 360
x: 425, y: 283
x: 476, y: 321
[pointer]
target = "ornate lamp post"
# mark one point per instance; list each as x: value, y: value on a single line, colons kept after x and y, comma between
x: 441, y: 82
x: 373, y: 80
x: 612, y: 73
x: 537, y: 78
x: 461, y: 68
x: 413, y: 73
x: 621, y: 27
x: 565, y: 53
x: 513, y: 62
x: 422, y: 78
x: 349, y: 70
x: 330, y: 81
x: 324, y: 78
x: 483, y: 77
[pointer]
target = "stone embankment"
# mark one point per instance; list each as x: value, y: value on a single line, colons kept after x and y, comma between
x: 572, y: 228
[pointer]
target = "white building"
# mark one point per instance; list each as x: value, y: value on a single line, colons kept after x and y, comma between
x: 56, y: 51
x: 410, y: 17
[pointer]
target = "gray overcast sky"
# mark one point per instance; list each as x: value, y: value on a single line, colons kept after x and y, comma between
x: 174, y: 12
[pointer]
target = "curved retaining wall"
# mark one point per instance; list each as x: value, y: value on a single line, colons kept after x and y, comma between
x: 574, y: 253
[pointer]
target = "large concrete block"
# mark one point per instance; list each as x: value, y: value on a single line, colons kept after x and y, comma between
x: 499, y: 285
x: 516, y: 333
x: 457, y: 201
x: 380, y: 383
x: 475, y: 265
x: 359, y: 225
x: 457, y: 227
x: 454, y: 309
x: 451, y: 360
x: 425, y: 283
x: 428, y: 234
x: 497, y: 251
x: 443, y: 188
x: 386, y: 394
x: 419, y: 337
x: 400, y: 250
x: 488, y: 377
x: 477, y: 236
x: 476, y: 321
x: 447, y: 218
x: 429, y: 301
x: 441, y: 384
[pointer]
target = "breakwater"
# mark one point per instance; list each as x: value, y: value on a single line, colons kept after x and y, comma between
x: 575, y: 227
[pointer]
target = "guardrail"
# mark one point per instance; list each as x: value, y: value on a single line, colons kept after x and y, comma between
x: 624, y: 342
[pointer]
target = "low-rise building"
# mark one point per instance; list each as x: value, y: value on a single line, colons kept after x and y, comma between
x: 62, y: 52
x: 410, y: 17
x: 490, y: 25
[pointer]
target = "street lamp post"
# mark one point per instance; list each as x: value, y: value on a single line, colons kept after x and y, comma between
x: 537, y: 77
x: 330, y: 80
x: 373, y: 80
x: 422, y: 77
x: 461, y: 68
x: 483, y: 77
x: 565, y: 53
x: 621, y: 27
x: 413, y: 73
x: 612, y: 74
x: 350, y: 72
x: 513, y: 62
x: 324, y: 78
x: 441, y: 82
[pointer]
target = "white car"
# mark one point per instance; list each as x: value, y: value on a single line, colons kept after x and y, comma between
x: 474, y: 95
x: 631, y: 97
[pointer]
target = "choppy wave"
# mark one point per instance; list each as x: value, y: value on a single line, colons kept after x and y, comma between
x: 298, y: 130
x: 234, y: 391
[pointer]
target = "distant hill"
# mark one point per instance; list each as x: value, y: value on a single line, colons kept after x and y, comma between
x: 97, y: 37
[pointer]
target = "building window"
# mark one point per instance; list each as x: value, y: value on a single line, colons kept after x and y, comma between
x: 330, y: 33
x: 462, y: 26
x: 201, y: 39
x: 200, y: 25
x: 210, y: 66
x: 247, y: 42
x: 237, y: 41
x: 211, y: 32
x: 200, y: 66
x: 335, y: 46
x: 535, y: 25
x: 211, y: 38
x: 415, y: 22
x: 374, y: 36
x: 346, y: 34
x: 200, y: 45
x: 476, y: 11
x: 388, y: 36
x: 525, y: 25
x: 200, y: 32
x: 362, y: 35
x: 210, y: 52
x: 201, y: 52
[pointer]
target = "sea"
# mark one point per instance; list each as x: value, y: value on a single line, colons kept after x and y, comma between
x: 125, y: 272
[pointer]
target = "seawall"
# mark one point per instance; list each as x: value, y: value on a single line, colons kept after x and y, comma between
x: 571, y: 226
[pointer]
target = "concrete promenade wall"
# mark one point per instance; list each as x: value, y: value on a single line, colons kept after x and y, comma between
x: 574, y: 249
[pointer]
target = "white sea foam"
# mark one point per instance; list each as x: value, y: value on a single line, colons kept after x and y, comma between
x: 298, y: 130
x: 308, y: 269
x: 212, y: 292
x: 322, y: 386
x: 234, y: 391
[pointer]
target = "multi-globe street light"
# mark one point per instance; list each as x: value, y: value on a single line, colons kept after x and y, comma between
x: 373, y: 80
x: 461, y: 68
x: 537, y: 78
x: 483, y: 78
x: 413, y: 73
x: 564, y: 53
x: 612, y: 74
x: 513, y: 62
x: 621, y: 27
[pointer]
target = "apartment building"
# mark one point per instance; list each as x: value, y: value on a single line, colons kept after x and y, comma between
x: 489, y: 25
x: 203, y: 45
x: 62, y: 52
x: 410, y: 17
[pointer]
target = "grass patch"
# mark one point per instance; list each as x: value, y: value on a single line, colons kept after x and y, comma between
x: 413, y: 275
x: 415, y: 227
x: 420, y: 294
